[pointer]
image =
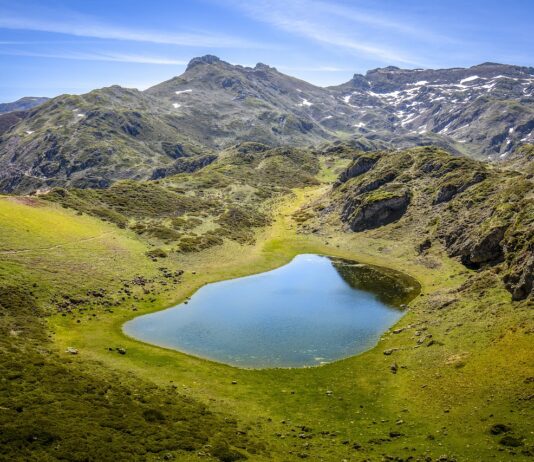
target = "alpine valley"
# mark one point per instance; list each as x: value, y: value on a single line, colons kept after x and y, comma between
x: 119, y: 203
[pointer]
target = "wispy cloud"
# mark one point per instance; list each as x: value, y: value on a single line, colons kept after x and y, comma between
x: 113, y: 57
x: 377, y: 20
x: 314, y: 69
x: 80, y: 26
x: 336, y: 25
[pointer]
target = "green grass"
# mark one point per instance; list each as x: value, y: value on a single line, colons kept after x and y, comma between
x: 429, y: 393
x: 446, y: 394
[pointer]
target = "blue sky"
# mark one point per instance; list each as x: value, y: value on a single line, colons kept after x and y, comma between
x: 49, y: 47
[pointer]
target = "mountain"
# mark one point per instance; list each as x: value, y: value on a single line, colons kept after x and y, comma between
x: 12, y: 113
x: 22, y: 104
x: 486, y: 110
x: 114, y: 133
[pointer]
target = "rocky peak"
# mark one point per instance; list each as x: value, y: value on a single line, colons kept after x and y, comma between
x: 264, y: 67
x: 207, y: 59
x: 359, y: 82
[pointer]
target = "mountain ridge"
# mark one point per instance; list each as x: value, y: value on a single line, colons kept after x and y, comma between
x: 484, y: 111
x: 22, y: 104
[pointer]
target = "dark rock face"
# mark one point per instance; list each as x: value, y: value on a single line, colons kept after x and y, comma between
x: 361, y: 165
x: 448, y: 191
x: 376, y: 213
x: 373, y: 185
x: 184, y: 165
x: 520, y: 280
x: 489, y: 247
x: 174, y: 151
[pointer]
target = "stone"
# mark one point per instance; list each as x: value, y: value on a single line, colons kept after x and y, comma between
x: 499, y: 428
x: 394, y: 368
x: 121, y: 351
x: 511, y: 441
x: 72, y: 350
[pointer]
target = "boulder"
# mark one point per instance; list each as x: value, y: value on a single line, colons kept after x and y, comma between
x: 377, y: 209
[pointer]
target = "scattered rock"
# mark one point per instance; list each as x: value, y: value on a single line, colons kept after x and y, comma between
x: 72, y: 350
x: 394, y: 368
x: 424, y: 246
x: 511, y: 441
x: 499, y: 428
x: 445, y: 458
x: 121, y: 351
x: 390, y: 351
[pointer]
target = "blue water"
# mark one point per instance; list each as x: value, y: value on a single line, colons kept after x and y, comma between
x: 302, y: 314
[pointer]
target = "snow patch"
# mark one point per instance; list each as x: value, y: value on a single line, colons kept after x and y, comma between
x: 176, y: 105
x: 179, y: 92
x: 305, y: 102
x: 29, y: 132
x: 470, y: 79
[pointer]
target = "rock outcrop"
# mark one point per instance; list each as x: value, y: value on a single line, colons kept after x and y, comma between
x: 375, y: 210
x: 481, y: 215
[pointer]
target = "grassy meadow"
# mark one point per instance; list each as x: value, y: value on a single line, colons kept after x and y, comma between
x: 457, y: 383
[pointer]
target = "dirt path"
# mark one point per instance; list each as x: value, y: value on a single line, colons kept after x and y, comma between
x: 57, y: 246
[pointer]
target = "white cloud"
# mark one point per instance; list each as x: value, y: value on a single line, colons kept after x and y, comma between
x: 87, y: 27
x: 314, y: 69
x: 332, y: 24
x: 114, y: 57
x: 375, y: 19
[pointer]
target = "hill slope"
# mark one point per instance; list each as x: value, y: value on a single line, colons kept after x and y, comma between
x: 481, y: 215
